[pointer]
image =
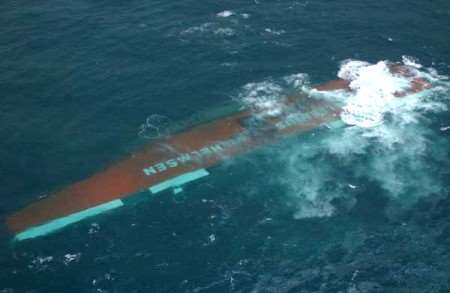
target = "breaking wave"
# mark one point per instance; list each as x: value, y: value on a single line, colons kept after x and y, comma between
x: 390, y: 141
x: 374, y: 87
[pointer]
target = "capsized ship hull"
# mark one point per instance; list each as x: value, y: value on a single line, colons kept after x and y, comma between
x: 173, y: 161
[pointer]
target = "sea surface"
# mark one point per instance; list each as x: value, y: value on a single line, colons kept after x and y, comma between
x: 352, y: 210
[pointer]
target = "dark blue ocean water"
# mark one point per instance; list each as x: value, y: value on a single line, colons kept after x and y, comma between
x: 78, y: 79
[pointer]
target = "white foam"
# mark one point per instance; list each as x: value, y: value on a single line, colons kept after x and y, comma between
x: 267, y: 98
x: 350, y: 69
x: 225, y: 13
x: 40, y: 263
x: 390, y: 142
x: 68, y: 258
x: 374, y: 88
x: 411, y: 61
x: 264, y: 98
x: 274, y: 32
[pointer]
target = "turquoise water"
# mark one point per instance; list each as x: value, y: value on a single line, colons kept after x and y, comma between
x: 79, y: 78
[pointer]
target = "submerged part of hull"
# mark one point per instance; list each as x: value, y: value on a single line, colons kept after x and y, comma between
x: 175, y: 160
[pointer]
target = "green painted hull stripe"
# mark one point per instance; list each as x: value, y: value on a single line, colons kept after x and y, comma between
x: 336, y: 124
x: 70, y: 219
x: 179, y: 180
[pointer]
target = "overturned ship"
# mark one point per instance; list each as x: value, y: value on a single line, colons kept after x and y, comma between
x: 182, y: 157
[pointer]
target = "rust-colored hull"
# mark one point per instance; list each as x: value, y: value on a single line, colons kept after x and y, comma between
x: 199, y: 147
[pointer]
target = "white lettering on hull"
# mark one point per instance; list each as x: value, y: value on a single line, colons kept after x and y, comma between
x: 195, y: 155
x: 213, y: 149
x: 150, y: 171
